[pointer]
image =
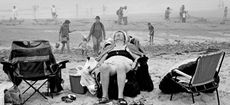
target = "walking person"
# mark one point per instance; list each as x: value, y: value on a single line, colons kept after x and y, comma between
x: 125, y: 15
x: 64, y: 35
x: 97, y: 32
x: 151, y: 33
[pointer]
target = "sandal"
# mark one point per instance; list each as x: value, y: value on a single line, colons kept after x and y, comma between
x: 66, y: 99
x: 72, y: 97
x: 122, y: 101
x: 103, y: 100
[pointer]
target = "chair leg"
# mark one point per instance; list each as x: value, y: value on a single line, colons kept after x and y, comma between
x: 193, y: 98
x: 28, y: 97
x: 217, y: 97
x: 35, y: 90
x: 28, y: 87
x: 171, y: 97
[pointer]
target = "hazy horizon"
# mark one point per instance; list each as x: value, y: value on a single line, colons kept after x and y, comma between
x: 91, y: 8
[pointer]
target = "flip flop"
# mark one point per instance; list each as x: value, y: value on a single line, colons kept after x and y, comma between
x: 103, y: 100
x: 66, y: 99
x: 122, y: 101
x: 72, y: 97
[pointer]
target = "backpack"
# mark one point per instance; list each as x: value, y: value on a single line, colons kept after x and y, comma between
x: 142, y: 75
x: 12, y: 95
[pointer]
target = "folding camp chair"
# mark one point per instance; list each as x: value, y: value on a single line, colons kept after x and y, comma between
x: 32, y: 61
x: 207, y: 69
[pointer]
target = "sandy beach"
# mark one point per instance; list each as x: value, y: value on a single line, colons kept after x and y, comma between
x: 173, y: 42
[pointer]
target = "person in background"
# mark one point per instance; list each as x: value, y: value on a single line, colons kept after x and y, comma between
x: 120, y: 15
x: 14, y: 13
x: 225, y: 14
x: 182, y: 10
x: 151, y: 33
x: 53, y: 12
x: 125, y: 15
x: 64, y: 35
x: 167, y: 14
x: 184, y: 16
x: 97, y: 32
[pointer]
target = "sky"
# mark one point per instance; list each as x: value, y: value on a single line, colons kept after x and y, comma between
x: 87, y: 8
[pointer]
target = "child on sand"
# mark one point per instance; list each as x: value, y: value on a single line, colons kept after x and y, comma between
x: 83, y: 46
x: 151, y: 33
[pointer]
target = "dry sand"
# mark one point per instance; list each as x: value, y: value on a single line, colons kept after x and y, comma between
x: 174, y: 42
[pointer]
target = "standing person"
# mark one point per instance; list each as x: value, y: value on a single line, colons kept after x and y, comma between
x: 53, y: 12
x: 167, y: 13
x: 182, y: 10
x: 64, y: 35
x: 225, y: 14
x: 125, y: 15
x: 14, y: 13
x: 97, y: 32
x: 184, y: 16
x: 120, y: 15
x: 151, y: 33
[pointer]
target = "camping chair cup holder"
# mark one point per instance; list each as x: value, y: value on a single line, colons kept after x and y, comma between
x: 33, y: 61
x: 207, y: 70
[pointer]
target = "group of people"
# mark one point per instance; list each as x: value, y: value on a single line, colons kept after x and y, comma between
x: 15, y: 12
x: 182, y: 14
x: 117, y: 58
x: 122, y: 15
x: 97, y: 33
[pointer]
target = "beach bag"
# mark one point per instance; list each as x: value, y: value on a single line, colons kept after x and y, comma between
x: 12, y: 95
x: 168, y: 86
x: 142, y: 75
x: 132, y: 87
x: 54, y: 83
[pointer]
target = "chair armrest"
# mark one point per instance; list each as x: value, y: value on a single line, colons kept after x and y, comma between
x: 5, y: 63
x: 182, y: 73
x: 55, y: 68
x: 7, y: 66
x: 62, y: 64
